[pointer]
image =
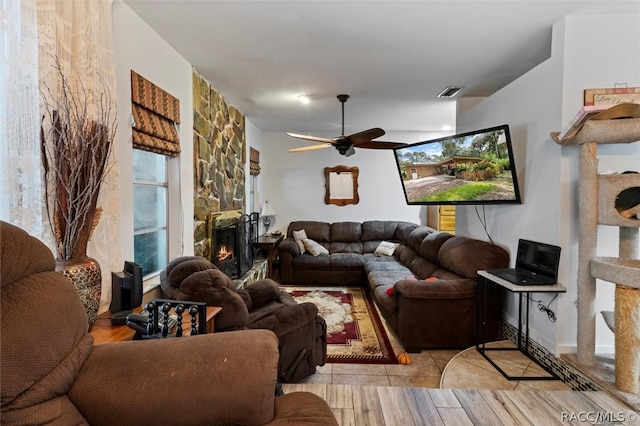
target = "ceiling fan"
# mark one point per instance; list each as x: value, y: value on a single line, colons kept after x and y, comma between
x: 346, y: 144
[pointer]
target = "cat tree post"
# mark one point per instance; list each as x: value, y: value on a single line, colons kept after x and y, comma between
x: 627, y: 321
x: 587, y: 224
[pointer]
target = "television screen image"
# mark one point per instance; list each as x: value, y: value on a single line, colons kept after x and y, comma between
x: 468, y: 168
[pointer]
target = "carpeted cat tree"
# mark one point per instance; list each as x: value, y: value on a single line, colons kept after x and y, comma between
x: 609, y: 199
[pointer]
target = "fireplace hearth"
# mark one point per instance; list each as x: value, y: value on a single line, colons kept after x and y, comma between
x: 232, y: 243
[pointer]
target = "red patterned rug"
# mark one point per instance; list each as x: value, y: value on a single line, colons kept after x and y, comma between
x: 355, y: 333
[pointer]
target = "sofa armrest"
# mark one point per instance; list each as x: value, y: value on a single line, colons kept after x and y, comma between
x: 439, y: 289
x: 298, y: 408
x: 205, y: 379
x: 288, y: 245
x: 288, y: 318
x: 262, y: 292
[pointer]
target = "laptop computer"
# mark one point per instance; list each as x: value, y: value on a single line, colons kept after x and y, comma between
x: 536, y: 263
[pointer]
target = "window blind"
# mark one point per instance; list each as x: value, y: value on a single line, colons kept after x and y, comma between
x: 155, y: 116
x: 254, y: 161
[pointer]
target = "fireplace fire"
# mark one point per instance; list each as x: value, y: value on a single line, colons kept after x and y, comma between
x: 224, y: 253
x: 232, y: 243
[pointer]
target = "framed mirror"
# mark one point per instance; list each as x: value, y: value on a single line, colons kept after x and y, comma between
x: 341, y: 185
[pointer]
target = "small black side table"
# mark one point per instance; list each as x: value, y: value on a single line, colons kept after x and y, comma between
x: 484, y: 279
x: 269, y: 244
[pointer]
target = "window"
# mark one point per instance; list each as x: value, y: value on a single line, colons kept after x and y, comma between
x: 252, y: 194
x: 150, y: 195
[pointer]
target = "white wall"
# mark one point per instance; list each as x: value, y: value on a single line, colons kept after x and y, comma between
x: 588, y: 52
x: 139, y: 48
x: 596, y: 54
x: 293, y: 183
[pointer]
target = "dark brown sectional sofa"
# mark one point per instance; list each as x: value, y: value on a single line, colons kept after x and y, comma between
x: 434, y: 314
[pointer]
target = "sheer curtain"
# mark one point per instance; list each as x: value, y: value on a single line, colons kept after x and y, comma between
x: 34, y: 34
x: 20, y: 179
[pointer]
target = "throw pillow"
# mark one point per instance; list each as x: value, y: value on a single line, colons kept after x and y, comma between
x: 387, y: 248
x: 298, y: 236
x: 314, y: 248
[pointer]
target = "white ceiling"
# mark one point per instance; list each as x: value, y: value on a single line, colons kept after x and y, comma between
x: 392, y: 57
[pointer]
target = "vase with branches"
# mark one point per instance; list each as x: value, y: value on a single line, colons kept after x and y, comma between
x: 77, y: 133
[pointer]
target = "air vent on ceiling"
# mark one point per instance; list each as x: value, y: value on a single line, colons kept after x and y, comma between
x: 449, y: 92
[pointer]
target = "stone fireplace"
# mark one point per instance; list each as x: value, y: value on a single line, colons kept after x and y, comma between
x: 219, y: 148
x: 233, y: 238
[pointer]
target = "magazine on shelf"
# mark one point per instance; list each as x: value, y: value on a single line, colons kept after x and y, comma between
x: 597, y: 112
x: 574, y: 126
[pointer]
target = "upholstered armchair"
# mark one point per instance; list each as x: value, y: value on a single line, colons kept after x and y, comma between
x: 262, y: 305
x: 52, y: 373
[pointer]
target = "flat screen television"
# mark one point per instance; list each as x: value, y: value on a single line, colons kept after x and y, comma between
x: 468, y: 168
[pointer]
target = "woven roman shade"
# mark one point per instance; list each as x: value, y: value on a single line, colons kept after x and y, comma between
x: 155, y: 115
x: 254, y: 161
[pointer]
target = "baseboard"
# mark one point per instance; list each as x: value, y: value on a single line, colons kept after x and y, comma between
x: 567, y: 373
x: 600, y: 349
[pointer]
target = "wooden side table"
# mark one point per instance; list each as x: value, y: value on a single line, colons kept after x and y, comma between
x: 269, y: 244
x: 103, y: 332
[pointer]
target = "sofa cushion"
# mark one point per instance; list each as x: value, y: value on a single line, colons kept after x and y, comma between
x: 423, y: 268
x: 299, y: 236
x: 308, y: 261
x: 466, y: 256
x: 387, y: 248
x: 317, y: 231
x: 313, y: 247
x: 417, y: 235
x: 377, y: 262
x: 403, y: 230
x: 430, y: 245
x: 345, y: 231
x: 378, y: 230
x: 345, y: 247
x: 346, y: 260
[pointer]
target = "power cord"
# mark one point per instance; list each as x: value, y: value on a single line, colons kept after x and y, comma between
x: 483, y: 221
x: 541, y: 306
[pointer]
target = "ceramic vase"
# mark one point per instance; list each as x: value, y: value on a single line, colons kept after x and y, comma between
x: 86, y: 276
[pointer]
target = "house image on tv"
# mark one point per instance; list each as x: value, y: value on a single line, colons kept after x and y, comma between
x: 444, y: 167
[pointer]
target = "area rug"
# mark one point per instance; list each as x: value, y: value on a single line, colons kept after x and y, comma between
x: 355, y: 333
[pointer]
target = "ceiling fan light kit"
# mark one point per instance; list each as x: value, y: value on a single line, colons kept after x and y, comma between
x: 304, y: 99
x: 346, y: 144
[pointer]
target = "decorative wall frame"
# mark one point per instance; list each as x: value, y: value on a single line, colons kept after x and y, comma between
x: 341, y: 185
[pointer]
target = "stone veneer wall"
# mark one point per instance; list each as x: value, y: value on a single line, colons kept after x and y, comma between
x: 219, y: 151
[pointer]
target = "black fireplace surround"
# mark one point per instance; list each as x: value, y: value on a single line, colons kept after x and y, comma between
x: 233, y: 247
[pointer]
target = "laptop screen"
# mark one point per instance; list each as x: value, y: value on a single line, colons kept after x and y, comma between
x: 539, y: 258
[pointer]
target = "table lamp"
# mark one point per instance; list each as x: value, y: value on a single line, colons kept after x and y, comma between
x: 267, y: 213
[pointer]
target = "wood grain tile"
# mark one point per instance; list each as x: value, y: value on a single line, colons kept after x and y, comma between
x: 444, y: 398
x: 421, y: 407
x: 478, y: 410
x: 366, y: 406
x: 455, y: 416
x: 506, y: 410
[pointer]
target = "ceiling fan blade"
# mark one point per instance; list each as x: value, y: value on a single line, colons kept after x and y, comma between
x: 310, y: 148
x: 365, y: 136
x: 380, y: 145
x: 311, y: 138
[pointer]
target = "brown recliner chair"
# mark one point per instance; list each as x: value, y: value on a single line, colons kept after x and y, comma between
x: 302, y: 333
x: 53, y: 374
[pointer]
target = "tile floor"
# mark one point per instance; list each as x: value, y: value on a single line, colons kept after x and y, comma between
x: 432, y: 368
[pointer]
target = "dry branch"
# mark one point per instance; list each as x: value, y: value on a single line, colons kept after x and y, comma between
x: 77, y: 133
